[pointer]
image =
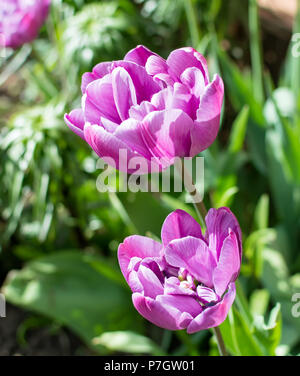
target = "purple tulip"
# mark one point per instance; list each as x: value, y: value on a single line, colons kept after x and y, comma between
x: 187, y: 282
x: 21, y: 20
x: 152, y: 108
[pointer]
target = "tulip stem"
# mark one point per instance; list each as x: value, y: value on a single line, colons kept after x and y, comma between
x: 220, y: 341
x: 192, y: 190
x: 201, y: 209
x: 202, y: 212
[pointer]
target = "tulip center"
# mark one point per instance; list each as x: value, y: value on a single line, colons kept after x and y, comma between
x: 186, y: 280
x: 205, y: 295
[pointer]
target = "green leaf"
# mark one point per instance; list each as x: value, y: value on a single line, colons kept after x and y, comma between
x: 269, y: 335
x: 103, y: 29
x: 239, y: 89
x: 70, y: 288
x: 252, y: 338
x: 259, y: 301
x: 229, y: 335
x: 254, y: 247
x: 239, y: 336
x: 226, y: 197
x: 255, y: 48
x: 193, y: 23
x: 286, y: 194
x: 238, y: 131
x: 164, y: 12
x: 261, y: 215
x: 15, y: 64
x: 128, y: 342
x: 295, y: 62
x: 277, y: 281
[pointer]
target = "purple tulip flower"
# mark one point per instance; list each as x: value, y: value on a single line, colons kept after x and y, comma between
x: 187, y: 282
x: 152, y: 108
x: 21, y: 20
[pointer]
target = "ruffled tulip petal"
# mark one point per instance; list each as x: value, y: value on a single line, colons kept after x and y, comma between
x: 156, y: 65
x: 102, y: 69
x: 229, y: 264
x: 140, y: 111
x: 169, y: 312
x: 158, y: 68
x: 145, y: 86
x: 183, y: 58
x: 207, y: 295
x: 172, y: 98
x: 137, y: 246
x: 134, y: 282
x: 108, y: 125
x: 179, y: 224
x: 99, y: 71
x: 86, y: 79
x: 151, y: 284
x: 218, y: 222
x: 167, y: 133
x: 193, y: 78
x: 139, y: 55
x: 123, y: 92
x: 164, y: 80
x: 208, y: 117
x: 155, y: 266
x: 174, y: 287
x: 130, y: 133
x: 215, y: 315
x: 75, y: 121
x: 114, y: 151
x: 145, y: 276
x: 183, y: 303
x: 99, y: 101
x: 192, y: 254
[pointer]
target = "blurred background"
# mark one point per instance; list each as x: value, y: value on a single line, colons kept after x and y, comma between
x: 59, y: 236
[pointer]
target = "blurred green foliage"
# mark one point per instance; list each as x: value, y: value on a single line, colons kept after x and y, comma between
x: 62, y: 234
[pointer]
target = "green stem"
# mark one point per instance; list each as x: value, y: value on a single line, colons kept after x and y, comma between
x: 201, y: 211
x: 192, y: 22
x: 191, y: 189
x: 220, y: 341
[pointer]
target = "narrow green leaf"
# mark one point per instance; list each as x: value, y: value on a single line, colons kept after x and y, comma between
x: 15, y: 64
x: 193, y: 23
x: 261, y: 215
x: 238, y: 132
x: 255, y: 47
x: 295, y: 65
